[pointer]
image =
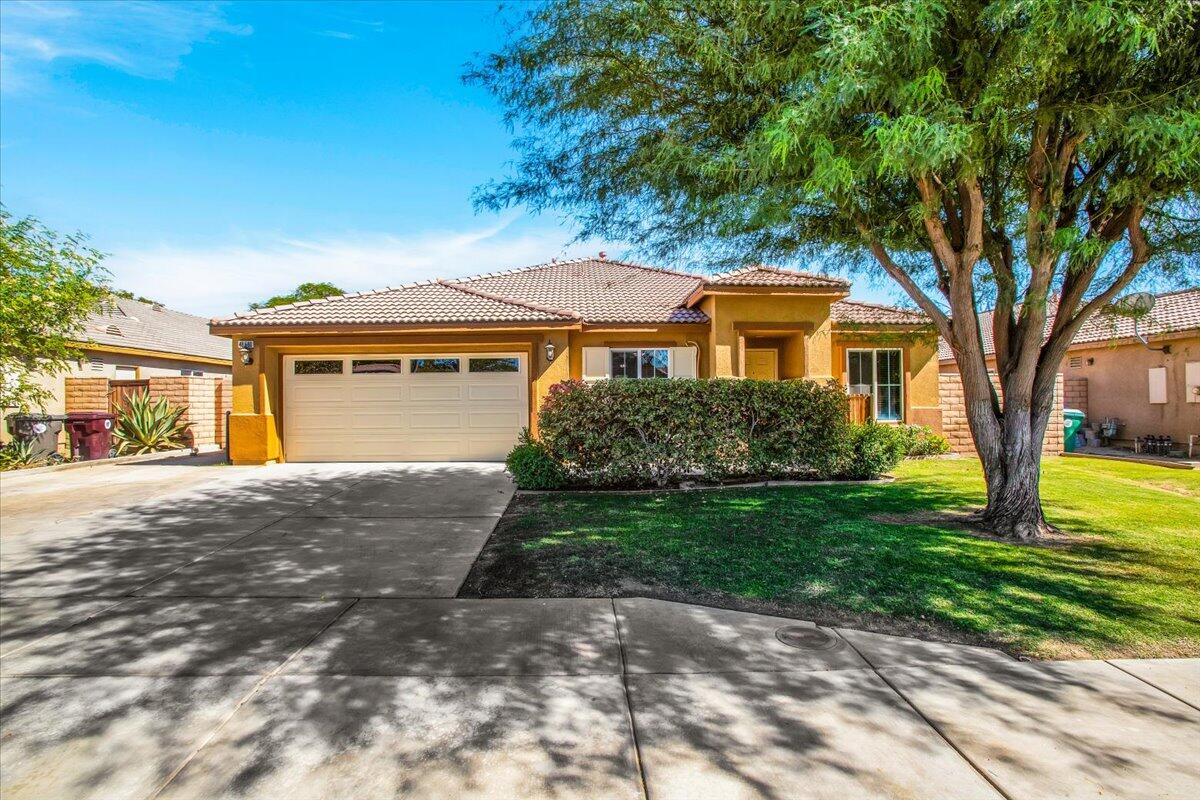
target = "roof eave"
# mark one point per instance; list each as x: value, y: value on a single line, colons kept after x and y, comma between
x: 700, y: 292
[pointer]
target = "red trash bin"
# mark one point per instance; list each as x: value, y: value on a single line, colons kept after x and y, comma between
x: 91, y: 434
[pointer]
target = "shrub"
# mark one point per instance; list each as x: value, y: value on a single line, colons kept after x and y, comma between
x: 145, y: 427
x: 873, y: 450
x: 532, y: 466
x: 20, y: 455
x: 920, y: 440
x: 638, y: 433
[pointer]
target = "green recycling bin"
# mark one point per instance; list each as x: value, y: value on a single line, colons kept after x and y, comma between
x: 1072, y: 422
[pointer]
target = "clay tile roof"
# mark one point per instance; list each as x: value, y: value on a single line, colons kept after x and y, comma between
x: 599, y: 290
x: 415, y: 303
x: 763, y: 275
x: 1173, y: 311
x: 856, y: 313
x: 120, y: 322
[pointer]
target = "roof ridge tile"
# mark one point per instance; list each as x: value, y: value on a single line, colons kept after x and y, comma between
x: 509, y: 300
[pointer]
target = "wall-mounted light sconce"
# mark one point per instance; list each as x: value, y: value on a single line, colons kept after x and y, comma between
x: 549, y: 351
x: 247, y: 348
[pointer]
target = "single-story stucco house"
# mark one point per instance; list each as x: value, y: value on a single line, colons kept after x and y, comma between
x: 1152, y: 388
x: 452, y: 370
x: 130, y: 340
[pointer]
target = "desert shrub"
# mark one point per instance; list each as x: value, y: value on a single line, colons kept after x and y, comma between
x: 873, y: 450
x: 20, y: 455
x: 653, y: 433
x: 920, y: 440
x: 532, y: 466
x: 146, y: 427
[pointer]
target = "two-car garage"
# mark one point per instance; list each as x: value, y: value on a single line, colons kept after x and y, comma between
x: 424, y: 407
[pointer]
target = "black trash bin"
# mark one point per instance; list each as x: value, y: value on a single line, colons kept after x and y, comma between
x: 40, y: 429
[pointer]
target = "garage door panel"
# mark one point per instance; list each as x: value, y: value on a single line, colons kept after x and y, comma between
x: 505, y: 420
x: 376, y: 420
x: 501, y: 391
x: 377, y: 394
x: 401, y: 416
x: 434, y: 393
x: 429, y: 420
x: 326, y: 391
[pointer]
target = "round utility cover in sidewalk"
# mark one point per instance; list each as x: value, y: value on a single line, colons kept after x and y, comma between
x: 807, y: 637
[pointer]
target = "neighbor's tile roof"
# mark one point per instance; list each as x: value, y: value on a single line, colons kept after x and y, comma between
x: 1173, y: 311
x: 415, y: 303
x: 763, y: 275
x: 855, y: 313
x: 119, y: 322
x: 600, y: 290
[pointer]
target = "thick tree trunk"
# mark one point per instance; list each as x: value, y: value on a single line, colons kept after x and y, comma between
x: 1014, y: 508
x: 1010, y: 448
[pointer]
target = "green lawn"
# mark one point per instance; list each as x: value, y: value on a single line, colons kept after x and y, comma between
x: 1126, y: 580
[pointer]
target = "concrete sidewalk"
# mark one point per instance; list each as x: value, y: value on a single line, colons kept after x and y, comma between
x: 292, y: 632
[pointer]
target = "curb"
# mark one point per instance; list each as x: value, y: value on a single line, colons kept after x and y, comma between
x: 885, y: 479
x: 1132, y: 459
x: 164, y: 455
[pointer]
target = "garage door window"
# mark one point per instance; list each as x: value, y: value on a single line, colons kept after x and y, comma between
x: 494, y: 365
x: 421, y: 365
x: 376, y: 366
x: 318, y: 367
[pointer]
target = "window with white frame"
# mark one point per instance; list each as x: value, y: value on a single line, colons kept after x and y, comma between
x: 880, y: 374
x: 641, y: 363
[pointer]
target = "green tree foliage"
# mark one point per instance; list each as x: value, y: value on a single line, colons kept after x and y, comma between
x: 979, y: 153
x: 305, y: 291
x: 49, y: 283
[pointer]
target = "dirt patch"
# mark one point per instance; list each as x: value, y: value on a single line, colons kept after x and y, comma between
x: 967, y: 521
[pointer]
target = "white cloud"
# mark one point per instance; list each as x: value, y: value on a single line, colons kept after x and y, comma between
x: 148, y: 39
x: 336, y: 34
x: 221, y: 279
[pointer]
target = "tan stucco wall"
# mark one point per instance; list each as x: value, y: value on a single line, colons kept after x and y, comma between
x: 1118, y: 385
x: 919, y: 356
x: 733, y: 318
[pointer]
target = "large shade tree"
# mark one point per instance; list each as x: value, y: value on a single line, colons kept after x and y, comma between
x: 1032, y: 155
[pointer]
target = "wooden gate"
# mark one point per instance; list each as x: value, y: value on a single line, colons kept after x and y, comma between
x: 119, y: 393
x: 860, y: 407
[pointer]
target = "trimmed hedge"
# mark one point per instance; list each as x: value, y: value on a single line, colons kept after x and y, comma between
x: 656, y: 433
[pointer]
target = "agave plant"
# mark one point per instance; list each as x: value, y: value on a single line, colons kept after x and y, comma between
x: 20, y: 455
x: 146, y: 427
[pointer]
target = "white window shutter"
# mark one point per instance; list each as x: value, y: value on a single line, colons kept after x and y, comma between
x: 596, y: 364
x: 1191, y: 377
x: 1158, y: 384
x: 683, y: 363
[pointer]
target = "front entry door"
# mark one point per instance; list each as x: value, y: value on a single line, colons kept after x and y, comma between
x: 762, y: 364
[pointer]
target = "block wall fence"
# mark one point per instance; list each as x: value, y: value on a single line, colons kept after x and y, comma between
x: 954, y: 415
x: 207, y: 400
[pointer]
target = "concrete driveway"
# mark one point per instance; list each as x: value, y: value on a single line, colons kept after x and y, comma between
x: 291, y: 632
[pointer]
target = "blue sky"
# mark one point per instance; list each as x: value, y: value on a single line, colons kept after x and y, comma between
x: 224, y: 152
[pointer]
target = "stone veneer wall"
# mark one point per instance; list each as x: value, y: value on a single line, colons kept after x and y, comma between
x: 207, y: 400
x: 954, y: 415
x: 1075, y: 394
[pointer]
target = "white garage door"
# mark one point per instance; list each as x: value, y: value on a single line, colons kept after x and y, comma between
x: 443, y: 407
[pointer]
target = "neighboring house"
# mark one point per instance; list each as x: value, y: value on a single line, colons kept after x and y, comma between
x: 453, y: 370
x: 1109, y: 373
x: 130, y: 340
